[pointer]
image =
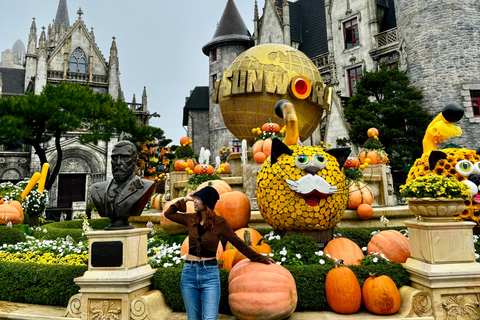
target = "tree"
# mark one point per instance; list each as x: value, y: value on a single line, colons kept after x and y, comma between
x: 36, y: 119
x: 385, y: 100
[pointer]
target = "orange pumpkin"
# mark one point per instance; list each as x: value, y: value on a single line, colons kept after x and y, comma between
x: 392, y: 244
x: 359, y: 193
x: 262, y: 146
x: 184, y: 141
x: 351, y: 162
x: 227, y: 168
x: 376, y: 157
x: 18, y: 206
x: 343, y: 290
x: 346, y: 250
x: 171, y: 227
x: 157, y: 201
x: 261, y: 291
x: 1, y: 200
x: 365, y: 211
x: 226, y: 259
x: 270, y: 127
x: 219, y: 185
x: 260, y: 247
x: 254, y: 236
x: 178, y: 165
x: 235, y: 207
x: 204, y: 168
x: 8, y: 214
x: 184, y: 248
x: 380, y: 295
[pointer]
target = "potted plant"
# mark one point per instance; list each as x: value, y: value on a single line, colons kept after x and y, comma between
x: 435, y: 196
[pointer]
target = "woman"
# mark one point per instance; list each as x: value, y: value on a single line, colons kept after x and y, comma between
x: 200, y: 282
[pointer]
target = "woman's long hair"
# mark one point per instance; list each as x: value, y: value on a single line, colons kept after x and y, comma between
x: 209, y: 221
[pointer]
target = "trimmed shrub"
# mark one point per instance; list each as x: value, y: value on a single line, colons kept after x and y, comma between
x: 46, y: 284
x: 10, y: 235
x: 72, y: 228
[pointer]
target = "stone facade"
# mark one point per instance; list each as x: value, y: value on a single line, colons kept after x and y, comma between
x: 439, y: 45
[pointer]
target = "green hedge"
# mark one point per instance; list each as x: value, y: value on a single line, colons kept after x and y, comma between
x: 10, y: 235
x: 310, y: 281
x: 38, y: 283
x: 72, y: 228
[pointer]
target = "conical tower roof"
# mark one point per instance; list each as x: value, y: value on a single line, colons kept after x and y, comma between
x: 62, y: 14
x: 230, y: 29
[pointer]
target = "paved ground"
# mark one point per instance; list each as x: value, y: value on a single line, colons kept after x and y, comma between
x: 21, y: 311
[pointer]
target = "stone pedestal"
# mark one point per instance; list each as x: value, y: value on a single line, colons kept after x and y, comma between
x: 443, y: 266
x: 379, y: 179
x: 118, y: 278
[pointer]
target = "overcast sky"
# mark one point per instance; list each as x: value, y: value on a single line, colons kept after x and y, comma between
x: 159, y: 43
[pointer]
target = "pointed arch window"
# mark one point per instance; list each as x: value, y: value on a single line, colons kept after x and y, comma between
x: 77, y: 62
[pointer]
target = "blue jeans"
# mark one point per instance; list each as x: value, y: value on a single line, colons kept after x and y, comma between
x: 200, y: 286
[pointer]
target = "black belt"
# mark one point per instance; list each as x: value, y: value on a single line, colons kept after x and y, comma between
x: 211, y: 262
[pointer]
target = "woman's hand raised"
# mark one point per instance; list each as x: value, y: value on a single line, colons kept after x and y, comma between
x: 190, y: 197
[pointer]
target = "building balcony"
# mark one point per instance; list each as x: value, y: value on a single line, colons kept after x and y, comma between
x: 385, y: 43
x: 322, y: 62
x: 97, y: 80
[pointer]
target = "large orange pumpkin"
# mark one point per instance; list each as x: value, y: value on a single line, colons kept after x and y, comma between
x: 8, y: 214
x: 343, y: 290
x: 359, y: 193
x: 392, y: 244
x: 255, y: 236
x: 262, y: 146
x: 219, y: 185
x: 346, y: 250
x: 380, y: 295
x: 261, y: 291
x: 18, y: 206
x: 171, y: 227
x: 203, y: 168
x: 235, y: 207
x: 178, y: 166
x: 376, y: 157
x: 184, y: 248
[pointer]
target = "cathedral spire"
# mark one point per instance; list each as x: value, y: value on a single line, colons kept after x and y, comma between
x: 113, y: 50
x: 42, y: 43
x: 32, y: 38
x: 144, y: 98
x: 62, y: 15
x: 255, y: 14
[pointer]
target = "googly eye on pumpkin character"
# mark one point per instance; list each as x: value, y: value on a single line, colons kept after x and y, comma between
x: 464, y: 167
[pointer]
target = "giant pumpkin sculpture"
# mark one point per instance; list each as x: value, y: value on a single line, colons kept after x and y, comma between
x: 458, y: 163
x: 301, y: 187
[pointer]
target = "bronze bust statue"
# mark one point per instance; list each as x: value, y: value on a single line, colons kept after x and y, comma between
x: 126, y: 194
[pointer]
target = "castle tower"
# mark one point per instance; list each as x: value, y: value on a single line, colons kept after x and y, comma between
x: 230, y: 39
x: 31, y: 56
x: 439, y: 50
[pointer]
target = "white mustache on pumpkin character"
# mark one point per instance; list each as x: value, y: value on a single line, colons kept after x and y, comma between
x: 309, y: 183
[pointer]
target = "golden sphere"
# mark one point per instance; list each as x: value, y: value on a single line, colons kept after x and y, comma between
x: 259, y: 78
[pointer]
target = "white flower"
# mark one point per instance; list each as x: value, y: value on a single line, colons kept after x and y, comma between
x: 364, y: 249
x: 279, y: 263
x: 477, y: 256
x: 321, y: 261
x: 284, y: 251
x: 319, y: 253
x: 383, y: 256
x: 298, y: 255
x: 283, y: 259
x: 375, y: 259
x: 45, y: 231
x: 9, y: 224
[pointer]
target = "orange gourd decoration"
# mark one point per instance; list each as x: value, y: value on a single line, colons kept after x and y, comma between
x: 184, y: 141
x: 262, y: 150
x: 376, y: 157
x: 171, y: 227
x: 185, y: 247
x: 392, y: 244
x: 235, y: 207
x: 351, y: 162
x: 261, y: 291
x: 372, y: 132
x: 227, y: 168
x: 1, y: 200
x: 380, y: 295
x: 18, y: 206
x: 226, y: 259
x: 203, y: 169
x: 346, y: 250
x: 8, y: 214
x: 157, y: 201
x: 219, y: 185
x: 254, y: 236
x: 365, y: 211
x: 178, y: 165
x: 359, y: 193
x: 271, y: 127
x: 343, y: 290
x: 260, y: 247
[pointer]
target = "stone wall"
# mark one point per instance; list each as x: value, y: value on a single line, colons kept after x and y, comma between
x: 440, y: 47
x: 198, y: 129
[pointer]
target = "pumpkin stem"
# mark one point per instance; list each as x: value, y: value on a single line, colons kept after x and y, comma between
x: 260, y: 241
x: 247, y: 238
x: 372, y: 275
x: 339, y: 263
